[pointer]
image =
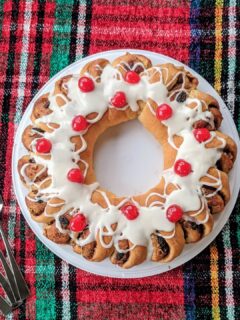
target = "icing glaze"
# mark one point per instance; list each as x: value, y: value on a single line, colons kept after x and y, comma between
x: 77, y: 197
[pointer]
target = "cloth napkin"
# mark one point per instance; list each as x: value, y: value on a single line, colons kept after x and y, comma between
x: 38, y: 39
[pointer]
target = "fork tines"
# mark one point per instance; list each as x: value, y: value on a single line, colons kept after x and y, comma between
x: 12, y: 282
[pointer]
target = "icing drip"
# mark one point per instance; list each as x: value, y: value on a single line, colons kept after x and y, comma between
x: 110, y: 222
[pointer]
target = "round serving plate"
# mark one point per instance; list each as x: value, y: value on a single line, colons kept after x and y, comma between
x: 106, y: 268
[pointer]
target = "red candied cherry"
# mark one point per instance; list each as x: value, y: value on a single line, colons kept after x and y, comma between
x: 78, y: 222
x: 75, y: 175
x: 132, y: 77
x: 119, y: 100
x: 182, y: 168
x: 130, y: 211
x: 164, y: 112
x: 174, y: 213
x: 201, y: 134
x: 79, y: 123
x: 86, y: 84
x: 43, y: 145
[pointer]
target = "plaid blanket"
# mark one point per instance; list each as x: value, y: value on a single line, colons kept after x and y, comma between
x: 38, y: 39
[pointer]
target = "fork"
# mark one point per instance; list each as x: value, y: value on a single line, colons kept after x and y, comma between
x: 12, y: 282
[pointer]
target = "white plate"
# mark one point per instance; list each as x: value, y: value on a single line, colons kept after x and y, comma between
x: 105, y: 268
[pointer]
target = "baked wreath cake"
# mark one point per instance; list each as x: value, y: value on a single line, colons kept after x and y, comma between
x: 58, y: 169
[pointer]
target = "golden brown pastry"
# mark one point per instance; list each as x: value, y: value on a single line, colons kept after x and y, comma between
x: 59, y: 173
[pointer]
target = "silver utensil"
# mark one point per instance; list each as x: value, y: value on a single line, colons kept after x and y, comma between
x: 12, y: 281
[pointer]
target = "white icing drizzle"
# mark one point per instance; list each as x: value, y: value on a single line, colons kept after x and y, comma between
x: 127, y: 67
x: 205, y: 219
x: 152, y: 194
x: 217, y: 183
x: 77, y: 197
x: 166, y: 236
x: 26, y: 178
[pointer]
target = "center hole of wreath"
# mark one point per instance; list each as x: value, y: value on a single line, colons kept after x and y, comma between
x: 128, y: 160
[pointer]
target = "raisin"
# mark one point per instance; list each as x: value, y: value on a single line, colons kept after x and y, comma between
x: 211, y: 105
x: 80, y: 235
x: 180, y: 79
x: 182, y: 222
x: 197, y: 227
x: 193, y: 225
x: 120, y: 256
x: 131, y: 64
x: 163, y: 245
x: 38, y: 130
x: 139, y: 69
x: 64, y: 222
x: 201, y: 124
x: 46, y: 104
x: 181, y: 97
x: 32, y: 160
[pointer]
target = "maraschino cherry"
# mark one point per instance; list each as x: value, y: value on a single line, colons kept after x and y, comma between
x: 202, y: 134
x: 43, y: 145
x: 182, y: 167
x: 75, y: 175
x: 79, y: 123
x: 86, y: 84
x: 119, y: 100
x: 78, y: 223
x: 132, y: 77
x: 174, y: 213
x: 130, y: 211
x: 164, y: 112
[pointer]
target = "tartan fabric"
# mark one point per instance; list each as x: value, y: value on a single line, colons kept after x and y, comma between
x: 39, y: 38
